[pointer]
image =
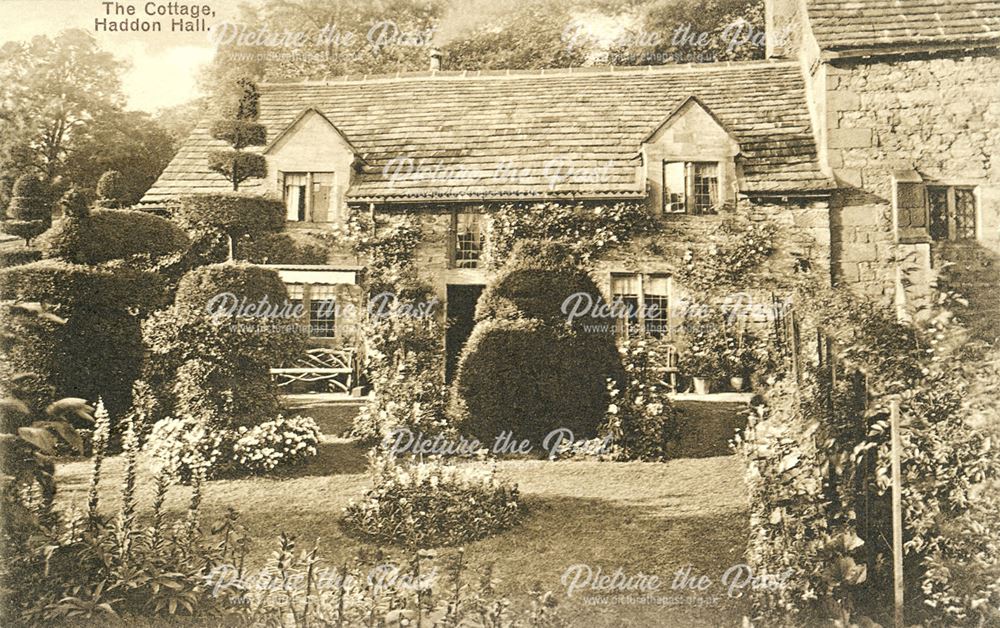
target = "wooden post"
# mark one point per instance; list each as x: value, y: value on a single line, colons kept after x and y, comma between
x: 897, y: 515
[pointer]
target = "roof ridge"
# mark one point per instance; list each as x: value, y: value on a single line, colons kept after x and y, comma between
x: 520, y: 74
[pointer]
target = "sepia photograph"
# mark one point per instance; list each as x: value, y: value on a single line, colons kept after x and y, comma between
x: 500, y: 313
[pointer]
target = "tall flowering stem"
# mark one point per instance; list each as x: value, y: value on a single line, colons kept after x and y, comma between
x: 126, y: 518
x: 102, y: 433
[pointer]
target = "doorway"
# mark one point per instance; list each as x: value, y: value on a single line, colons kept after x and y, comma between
x: 462, y: 301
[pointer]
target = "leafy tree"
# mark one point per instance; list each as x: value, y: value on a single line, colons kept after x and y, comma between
x: 239, y: 128
x: 50, y: 89
x: 131, y: 142
x: 29, y: 213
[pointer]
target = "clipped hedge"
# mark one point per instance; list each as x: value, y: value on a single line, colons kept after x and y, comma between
x: 17, y: 257
x: 106, y: 235
x: 524, y: 369
x: 98, y: 351
x: 529, y: 378
x: 239, y: 133
x: 283, y: 248
x: 217, y: 368
x: 70, y: 286
x: 244, y: 281
x: 231, y: 213
x: 535, y: 283
x: 247, y: 165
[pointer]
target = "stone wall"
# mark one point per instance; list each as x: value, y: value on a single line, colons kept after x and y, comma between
x: 937, y: 115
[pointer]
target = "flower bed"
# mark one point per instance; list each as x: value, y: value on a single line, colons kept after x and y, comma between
x: 431, y: 504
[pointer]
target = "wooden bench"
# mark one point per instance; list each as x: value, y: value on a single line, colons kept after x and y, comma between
x: 335, y: 367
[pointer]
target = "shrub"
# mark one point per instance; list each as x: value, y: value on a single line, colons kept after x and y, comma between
x: 641, y: 419
x: 561, y: 369
x: 18, y: 257
x: 278, y: 443
x: 99, y: 351
x: 232, y: 215
x: 104, y: 235
x: 246, y: 282
x: 74, y: 203
x: 112, y: 191
x: 404, y: 361
x: 282, y: 248
x: 430, y: 504
x: 29, y: 213
x: 177, y: 448
x: 214, y: 370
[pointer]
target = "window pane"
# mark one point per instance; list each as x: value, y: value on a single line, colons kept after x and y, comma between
x: 295, y: 197
x: 674, y: 194
x: 468, y: 244
x: 625, y: 296
x: 657, y: 306
x: 322, y: 312
x: 706, y: 187
x: 965, y: 214
x: 937, y: 199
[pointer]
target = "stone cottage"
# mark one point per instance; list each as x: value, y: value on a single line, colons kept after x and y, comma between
x: 871, y: 133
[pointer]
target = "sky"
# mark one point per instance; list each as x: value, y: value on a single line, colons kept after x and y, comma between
x: 163, y: 66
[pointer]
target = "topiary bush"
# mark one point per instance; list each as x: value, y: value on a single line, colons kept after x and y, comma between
x: 73, y: 203
x: 29, y: 213
x: 106, y: 235
x: 230, y: 215
x: 283, y: 248
x: 17, y: 257
x: 112, y: 192
x: 213, y: 364
x: 98, y: 352
x: 431, y: 504
x: 525, y: 368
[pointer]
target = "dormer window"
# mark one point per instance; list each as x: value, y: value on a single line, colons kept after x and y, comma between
x: 691, y: 187
x: 309, y: 196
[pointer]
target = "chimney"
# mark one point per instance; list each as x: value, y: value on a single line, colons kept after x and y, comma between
x: 435, y: 60
x: 783, y: 25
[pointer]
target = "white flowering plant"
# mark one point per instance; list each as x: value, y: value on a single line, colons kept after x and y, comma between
x: 178, y: 447
x: 428, y: 503
x: 641, y: 420
x: 272, y: 444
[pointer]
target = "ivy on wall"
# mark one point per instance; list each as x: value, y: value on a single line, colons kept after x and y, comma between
x: 589, y: 229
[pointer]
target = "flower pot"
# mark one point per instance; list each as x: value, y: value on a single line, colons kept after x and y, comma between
x: 736, y: 383
x: 702, y: 385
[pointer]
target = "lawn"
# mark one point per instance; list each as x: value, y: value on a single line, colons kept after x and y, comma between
x: 642, y: 517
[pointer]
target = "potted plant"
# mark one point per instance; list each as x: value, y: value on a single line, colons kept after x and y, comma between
x: 701, y: 360
x: 739, y: 358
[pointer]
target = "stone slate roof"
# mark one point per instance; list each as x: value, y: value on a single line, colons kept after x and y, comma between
x: 851, y: 24
x: 551, y: 134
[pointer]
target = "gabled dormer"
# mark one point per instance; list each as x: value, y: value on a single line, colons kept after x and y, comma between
x: 310, y: 164
x: 690, y: 161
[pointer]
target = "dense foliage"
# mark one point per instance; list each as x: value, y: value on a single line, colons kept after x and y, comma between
x: 137, y: 238
x: 30, y: 210
x: 98, y: 352
x: 561, y: 368
x: 404, y: 361
x: 230, y: 216
x: 818, y: 472
x: 430, y: 504
x: 112, y: 191
x: 239, y: 128
x: 641, y: 421
x: 590, y: 230
x: 210, y: 360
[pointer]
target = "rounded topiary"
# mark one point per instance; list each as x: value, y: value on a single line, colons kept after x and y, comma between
x: 524, y: 368
x: 74, y: 203
x: 112, y: 190
x: 98, y: 351
x: 106, y: 235
x: 29, y: 213
x: 283, y: 248
x: 246, y: 283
